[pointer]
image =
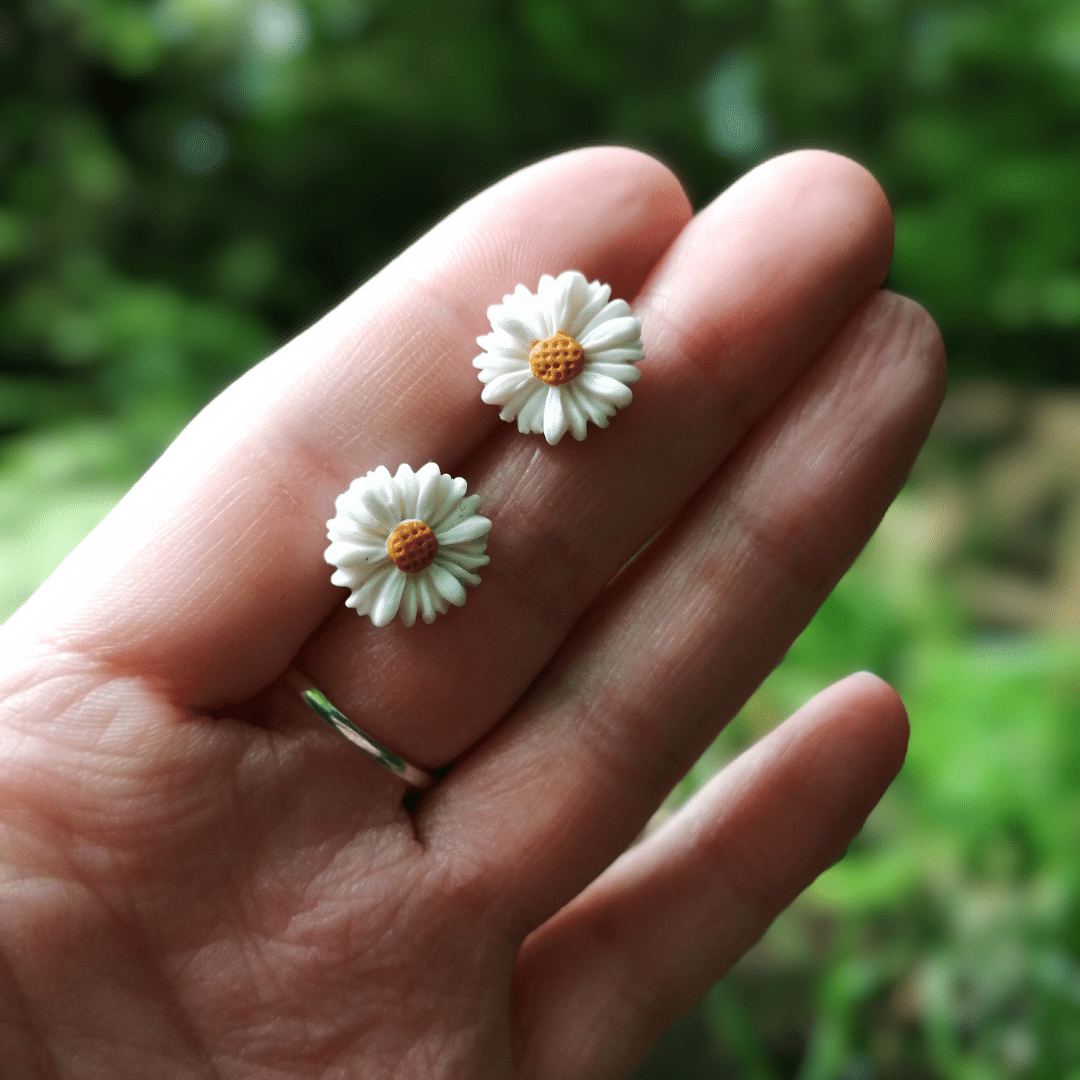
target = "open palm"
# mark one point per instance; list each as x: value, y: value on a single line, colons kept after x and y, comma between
x: 199, y: 879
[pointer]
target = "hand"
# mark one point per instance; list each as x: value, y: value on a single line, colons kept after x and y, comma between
x: 200, y: 879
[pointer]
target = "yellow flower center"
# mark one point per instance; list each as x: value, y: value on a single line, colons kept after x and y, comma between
x: 557, y: 359
x: 412, y: 546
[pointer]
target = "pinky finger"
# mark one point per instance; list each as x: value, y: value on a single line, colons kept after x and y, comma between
x: 598, y: 983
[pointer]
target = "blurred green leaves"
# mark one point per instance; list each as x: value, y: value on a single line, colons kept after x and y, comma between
x: 734, y: 115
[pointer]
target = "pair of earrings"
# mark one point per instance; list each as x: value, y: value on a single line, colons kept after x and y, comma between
x: 408, y: 543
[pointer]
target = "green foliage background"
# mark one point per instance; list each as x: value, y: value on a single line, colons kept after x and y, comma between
x: 185, y: 183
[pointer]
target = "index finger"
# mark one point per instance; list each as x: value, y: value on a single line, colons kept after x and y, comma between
x: 208, y: 575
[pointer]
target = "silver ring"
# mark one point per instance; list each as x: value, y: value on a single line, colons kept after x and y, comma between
x: 318, y: 703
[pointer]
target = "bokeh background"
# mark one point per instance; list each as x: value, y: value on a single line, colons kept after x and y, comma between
x: 186, y: 183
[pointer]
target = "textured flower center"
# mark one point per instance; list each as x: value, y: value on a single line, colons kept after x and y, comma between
x: 557, y: 359
x: 412, y: 546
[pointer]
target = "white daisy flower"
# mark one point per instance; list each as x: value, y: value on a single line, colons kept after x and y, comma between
x: 406, y: 543
x: 560, y: 358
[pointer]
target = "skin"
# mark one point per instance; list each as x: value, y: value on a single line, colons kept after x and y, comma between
x: 201, y: 880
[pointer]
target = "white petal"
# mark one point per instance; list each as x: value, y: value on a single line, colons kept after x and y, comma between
x: 408, y: 600
x: 362, y: 598
x: 545, y: 292
x: 346, y: 527
x: 460, y: 511
x: 350, y: 578
x: 513, y: 406
x: 617, y: 309
x: 520, y: 320
x: 344, y: 503
x: 614, y: 333
x: 500, y: 343
x: 530, y: 309
x: 346, y: 553
x: 598, y: 298
x: 407, y: 491
x: 502, y: 388
x: 490, y: 367
x: 467, y: 560
x: 578, y: 416
x: 620, y: 355
x: 471, y: 547
x: 426, y: 595
x: 470, y: 529
x: 446, y: 585
x: 575, y: 416
x: 469, y: 507
x: 381, y: 486
x: 606, y: 388
x: 509, y: 322
x: 531, y: 415
x: 596, y: 410
x: 457, y: 571
x: 443, y: 495
x: 625, y: 373
x: 555, y: 419
x: 568, y: 297
x: 374, y: 504
x: 453, y: 492
x: 430, y: 484
x: 385, y: 605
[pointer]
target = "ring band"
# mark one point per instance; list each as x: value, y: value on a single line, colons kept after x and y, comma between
x: 318, y: 703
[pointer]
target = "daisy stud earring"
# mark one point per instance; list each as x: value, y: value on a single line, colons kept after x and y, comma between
x: 406, y: 544
x: 556, y: 359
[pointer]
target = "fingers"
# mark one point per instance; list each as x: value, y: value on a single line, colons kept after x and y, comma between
x: 640, y: 688
x: 598, y: 984
x: 209, y: 575
x: 746, y: 297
